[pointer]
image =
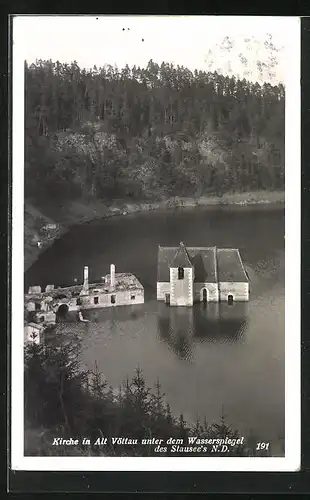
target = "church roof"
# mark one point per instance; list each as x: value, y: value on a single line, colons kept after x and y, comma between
x: 229, y: 265
x: 210, y: 264
x: 181, y: 257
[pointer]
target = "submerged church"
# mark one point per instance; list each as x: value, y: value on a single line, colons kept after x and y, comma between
x: 186, y: 275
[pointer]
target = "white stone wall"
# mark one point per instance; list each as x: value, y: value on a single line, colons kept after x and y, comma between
x: 34, y: 290
x: 181, y: 290
x: 239, y: 291
x: 212, y: 292
x: 49, y: 317
x: 73, y: 305
x: 122, y: 298
x: 162, y: 289
x: 215, y: 291
x: 44, y: 306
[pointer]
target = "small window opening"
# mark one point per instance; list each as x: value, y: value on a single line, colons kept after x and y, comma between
x: 133, y: 297
x: 31, y: 316
x: 113, y: 299
x: 96, y: 300
x: 37, y: 306
x: 180, y: 273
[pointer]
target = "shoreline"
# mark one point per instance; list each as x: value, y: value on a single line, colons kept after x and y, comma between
x: 77, y: 213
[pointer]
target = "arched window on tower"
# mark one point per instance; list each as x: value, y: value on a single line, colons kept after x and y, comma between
x: 180, y: 273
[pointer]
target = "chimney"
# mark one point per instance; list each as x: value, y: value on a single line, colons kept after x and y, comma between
x: 112, y: 275
x: 85, y: 284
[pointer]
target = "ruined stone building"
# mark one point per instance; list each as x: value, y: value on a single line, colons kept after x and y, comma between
x: 115, y: 289
x: 186, y: 275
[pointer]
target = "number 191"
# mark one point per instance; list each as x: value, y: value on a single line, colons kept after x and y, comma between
x: 262, y: 446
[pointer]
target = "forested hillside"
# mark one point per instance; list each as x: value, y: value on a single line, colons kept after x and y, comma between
x: 148, y: 134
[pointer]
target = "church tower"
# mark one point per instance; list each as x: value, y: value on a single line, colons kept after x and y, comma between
x: 181, y: 278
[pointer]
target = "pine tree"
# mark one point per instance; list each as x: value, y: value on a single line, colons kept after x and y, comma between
x: 183, y: 429
x: 97, y: 385
x: 157, y: 402
x: 197, y: 428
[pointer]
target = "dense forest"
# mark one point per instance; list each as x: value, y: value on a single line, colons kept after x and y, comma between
x: 64, y: 400
x: 149, y: 133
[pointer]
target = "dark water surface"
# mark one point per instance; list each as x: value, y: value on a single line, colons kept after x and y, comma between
x: 205, y: 356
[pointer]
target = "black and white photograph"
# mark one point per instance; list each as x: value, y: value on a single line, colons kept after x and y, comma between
x: 155, y: 243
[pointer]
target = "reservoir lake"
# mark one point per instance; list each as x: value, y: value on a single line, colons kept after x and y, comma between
x: 209, y: 359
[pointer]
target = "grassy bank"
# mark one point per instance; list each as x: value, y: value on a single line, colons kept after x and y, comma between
x: 75, y: 213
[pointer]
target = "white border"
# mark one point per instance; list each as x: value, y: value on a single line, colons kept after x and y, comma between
x: 291, y: 461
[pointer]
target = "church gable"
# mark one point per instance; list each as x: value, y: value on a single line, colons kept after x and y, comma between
x: 181, y: 258
x: 201, y: 259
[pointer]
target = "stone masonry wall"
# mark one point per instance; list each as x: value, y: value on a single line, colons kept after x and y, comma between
x: 181, y: 290
x: 239, y: 291
x: 162, y: 289
x: 122, y: 298
x: 216, y: 292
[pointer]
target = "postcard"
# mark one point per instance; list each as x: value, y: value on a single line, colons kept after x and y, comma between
x: 155, y: 321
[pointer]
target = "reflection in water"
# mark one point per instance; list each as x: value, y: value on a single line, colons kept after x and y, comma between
x: 182, y: 327
x: 176, y: 327
x: 115, y: 314
x: 205, y: 356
